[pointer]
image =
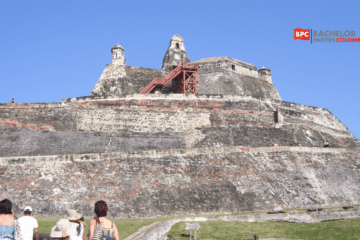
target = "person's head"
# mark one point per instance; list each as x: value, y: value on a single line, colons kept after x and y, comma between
x: 101, y: 208
x: 5, y: 207
x: 27, y: 210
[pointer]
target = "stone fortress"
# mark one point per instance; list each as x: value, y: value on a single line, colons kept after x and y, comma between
x: 154, y: 154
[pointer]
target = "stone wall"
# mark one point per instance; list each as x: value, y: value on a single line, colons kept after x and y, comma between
x: 228, y: 64
x: 154, y: 154
x: 56, y: 116
x: 183, y: 181
x: 158, y: 122
x: 118, y: 81
x: 232, y: 83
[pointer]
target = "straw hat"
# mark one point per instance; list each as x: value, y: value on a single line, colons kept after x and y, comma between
x: 61, y: 225
x: 73, y: 215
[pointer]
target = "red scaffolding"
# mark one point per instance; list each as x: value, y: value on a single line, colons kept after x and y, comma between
x: 186, y: 76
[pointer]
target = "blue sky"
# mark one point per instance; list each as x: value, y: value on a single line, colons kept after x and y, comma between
x: 52, y: 50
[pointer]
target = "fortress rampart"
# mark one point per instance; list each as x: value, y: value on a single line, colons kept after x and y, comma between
x: 172, y: 182
x: 157, y: 121
x: 228, y: 64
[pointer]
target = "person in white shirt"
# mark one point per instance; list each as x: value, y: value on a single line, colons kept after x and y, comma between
x: 77, y: 225
x: 28, y: 224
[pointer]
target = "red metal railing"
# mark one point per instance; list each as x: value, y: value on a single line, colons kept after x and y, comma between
x: 185, y: 73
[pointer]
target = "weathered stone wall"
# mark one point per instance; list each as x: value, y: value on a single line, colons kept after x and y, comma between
x: 146, y: 122
x: 28, y: 142
x: 231, y: 83
x: 118, y: 81
x: 154, y: 154
x: 54, y: 116
x: 228, y: 64
x: 201, y: 180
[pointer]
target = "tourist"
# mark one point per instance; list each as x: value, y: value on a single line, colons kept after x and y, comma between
x: 101, y: 227
x: 28, y: 224
x: 61, y: 230
x: 78, y: 225
x: 9, y: 226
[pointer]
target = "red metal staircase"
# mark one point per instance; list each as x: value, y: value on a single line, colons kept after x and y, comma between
x: 185, y: 74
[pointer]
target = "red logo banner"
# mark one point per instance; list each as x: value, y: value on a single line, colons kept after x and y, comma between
x: 302, y: 34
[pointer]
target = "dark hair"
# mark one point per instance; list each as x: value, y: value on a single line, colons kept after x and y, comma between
x: 5, y: 206
x: 101, y: 208
x: 27, y: 212
x: 79, y: 227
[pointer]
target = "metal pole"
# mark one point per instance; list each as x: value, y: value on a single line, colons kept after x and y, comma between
x: 184, y: 78
x: 195, y: 234
x: 190, y: 234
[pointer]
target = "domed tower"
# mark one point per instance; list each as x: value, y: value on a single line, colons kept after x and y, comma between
x: 265, y: 74
x: 118, y: 55
x: 175, y: 53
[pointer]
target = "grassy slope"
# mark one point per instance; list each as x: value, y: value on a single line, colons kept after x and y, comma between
x: 340, y: 229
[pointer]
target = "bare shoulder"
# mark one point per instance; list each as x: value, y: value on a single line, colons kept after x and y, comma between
x: 7, y: 219
x: 92, y: 221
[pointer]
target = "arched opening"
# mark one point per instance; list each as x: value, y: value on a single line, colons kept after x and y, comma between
x: 177, y: 46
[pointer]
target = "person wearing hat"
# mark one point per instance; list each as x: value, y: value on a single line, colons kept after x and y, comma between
x: 78, y: 225
x: 28, y: 224
x: 61, y: 230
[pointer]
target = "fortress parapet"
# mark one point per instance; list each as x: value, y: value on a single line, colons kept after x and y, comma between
x: 227, y: 64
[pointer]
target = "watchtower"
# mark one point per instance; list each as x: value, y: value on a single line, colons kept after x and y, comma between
x: 118, y: 55
x: 175, y: 54
x: 265, y: 74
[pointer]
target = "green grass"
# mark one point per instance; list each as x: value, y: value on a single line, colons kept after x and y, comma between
x: 126, y: 227
x: 339, y: 229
